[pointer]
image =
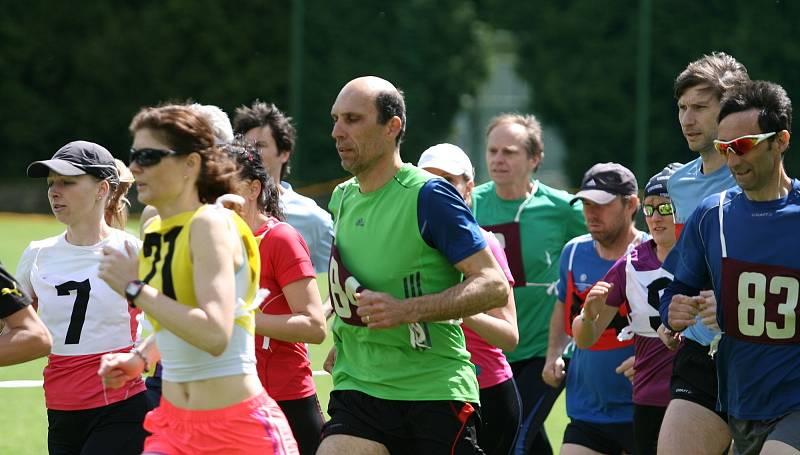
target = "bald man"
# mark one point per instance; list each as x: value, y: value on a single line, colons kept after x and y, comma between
x: 403, y: 240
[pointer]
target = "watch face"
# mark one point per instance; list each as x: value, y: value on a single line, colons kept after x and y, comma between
x: 133, y: 288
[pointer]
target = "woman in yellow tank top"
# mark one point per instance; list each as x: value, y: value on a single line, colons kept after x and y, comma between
x: 198, y: 270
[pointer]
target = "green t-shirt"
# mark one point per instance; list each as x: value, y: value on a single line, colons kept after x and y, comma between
x: 547, y: 223
x: 377, y: 238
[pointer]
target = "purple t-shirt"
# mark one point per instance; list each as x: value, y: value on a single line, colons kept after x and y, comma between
x: 653, y: 363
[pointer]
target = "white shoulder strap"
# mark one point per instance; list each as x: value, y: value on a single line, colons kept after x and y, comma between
x: 721, y: 230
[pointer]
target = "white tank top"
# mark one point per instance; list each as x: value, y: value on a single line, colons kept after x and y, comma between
x: 84, y: 315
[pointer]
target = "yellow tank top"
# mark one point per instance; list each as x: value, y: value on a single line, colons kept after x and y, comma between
x: 165, y: 262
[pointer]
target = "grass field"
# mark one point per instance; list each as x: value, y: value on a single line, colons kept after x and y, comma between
x: 24, y: 423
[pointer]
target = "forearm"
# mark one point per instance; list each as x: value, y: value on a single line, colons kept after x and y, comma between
x: 557, y: 338
x: 299, y: 328
x: 495, y: 331
x: 586, y: 330
x: 476, y: 294
x: 192, y: 324
x: 23, y: 344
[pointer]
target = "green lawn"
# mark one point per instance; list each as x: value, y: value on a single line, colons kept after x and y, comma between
x: 24, y: 423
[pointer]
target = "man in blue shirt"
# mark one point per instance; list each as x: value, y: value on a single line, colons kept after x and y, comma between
x: 691, y: 424
x: 743, y: 242
x: 599, y: 399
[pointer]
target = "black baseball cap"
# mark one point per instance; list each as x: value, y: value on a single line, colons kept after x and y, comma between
x: 77, y: 158
x: 657, y: 185
x: 605, y: 181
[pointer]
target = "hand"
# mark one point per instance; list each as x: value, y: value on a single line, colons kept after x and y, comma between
x: 626, y: 368
x: 682, y: 311
x: 708, y: 310
x: 553, y: 372
x: 118, y: 268
x: 381, y: 311
x: 597, y: 296
x: 670, y: 339
x: 330, y: 360
x: 118, y: 368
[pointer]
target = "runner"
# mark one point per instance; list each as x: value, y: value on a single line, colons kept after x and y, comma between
x: 198, y: 270
x: 691, y: 424
x: 598, y: 396
x: 636, y: 281
x: 273, y: 134
x: 486, y: 333
x: 86, y: 318
x: 291, y: 311
x: 408, y: 261
x: 533, y: 222
x: 742, y: 241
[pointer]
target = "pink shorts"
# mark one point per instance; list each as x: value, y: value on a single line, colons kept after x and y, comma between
x: 255, y: 425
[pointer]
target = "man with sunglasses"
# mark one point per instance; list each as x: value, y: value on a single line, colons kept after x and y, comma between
x: 743, y: 241
x: 691, y: 424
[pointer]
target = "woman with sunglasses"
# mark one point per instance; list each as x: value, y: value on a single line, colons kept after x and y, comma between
x: 198, y: 269
x: 637, y: 280
x: 291, y: 308
x: 86, y: 188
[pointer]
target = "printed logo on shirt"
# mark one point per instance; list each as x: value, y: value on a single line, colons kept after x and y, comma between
x: 360, y: 222
x: 14, y: 291
x: 760, y: 214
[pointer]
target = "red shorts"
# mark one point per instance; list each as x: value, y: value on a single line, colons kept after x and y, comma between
x: 255, y: 425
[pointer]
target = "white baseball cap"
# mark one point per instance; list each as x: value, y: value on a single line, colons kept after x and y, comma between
x: 449, y: 158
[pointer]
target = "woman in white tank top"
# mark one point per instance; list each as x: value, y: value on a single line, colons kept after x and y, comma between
x: 198, y: 271
x: 86, y: 190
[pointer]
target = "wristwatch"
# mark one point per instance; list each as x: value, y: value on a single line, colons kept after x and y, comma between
x: 132, y: 290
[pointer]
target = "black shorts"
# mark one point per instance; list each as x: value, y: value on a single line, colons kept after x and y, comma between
x: 694, y: 376
x: 607, y: 438
x: 116, y: 428
x: 305, y: 419
x: 404, y: 426
x: 646, y: 426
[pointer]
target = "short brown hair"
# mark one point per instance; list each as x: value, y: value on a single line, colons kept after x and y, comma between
x: 533, y: 142
x: 187, y: 131
x: 718, y: 70
x: 260, y: 114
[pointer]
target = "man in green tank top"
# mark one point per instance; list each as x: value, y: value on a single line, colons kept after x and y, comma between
x: 533, y: 223
x: 408, y: 261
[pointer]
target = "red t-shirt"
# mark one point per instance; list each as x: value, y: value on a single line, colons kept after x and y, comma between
x: 283, y: 367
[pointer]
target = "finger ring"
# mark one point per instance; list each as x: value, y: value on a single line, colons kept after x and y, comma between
x: 366, y: 319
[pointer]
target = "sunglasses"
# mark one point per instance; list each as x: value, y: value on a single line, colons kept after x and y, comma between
x: 149, y: 157
x: 741, y: 145
x: 663, y: 209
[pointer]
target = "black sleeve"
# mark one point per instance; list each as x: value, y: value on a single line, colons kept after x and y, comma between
x: 12, y: 299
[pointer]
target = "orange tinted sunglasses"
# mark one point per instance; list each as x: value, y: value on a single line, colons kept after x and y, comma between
x: 741, y: 145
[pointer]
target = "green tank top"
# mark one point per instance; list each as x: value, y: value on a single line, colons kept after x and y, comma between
x: 378, y: 245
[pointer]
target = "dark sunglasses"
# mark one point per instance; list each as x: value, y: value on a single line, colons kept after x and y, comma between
x: 149, y: 157
x: 663, y: 209
x: 741, y: 145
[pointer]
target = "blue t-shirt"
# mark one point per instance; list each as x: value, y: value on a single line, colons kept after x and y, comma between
x: 687, y: 187
x: 439, y: 209
x: 756, y: 381
x: 595, y: 392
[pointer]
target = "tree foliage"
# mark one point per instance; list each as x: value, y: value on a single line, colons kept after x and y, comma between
x: 580, y: 58
x: 82, y: 69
